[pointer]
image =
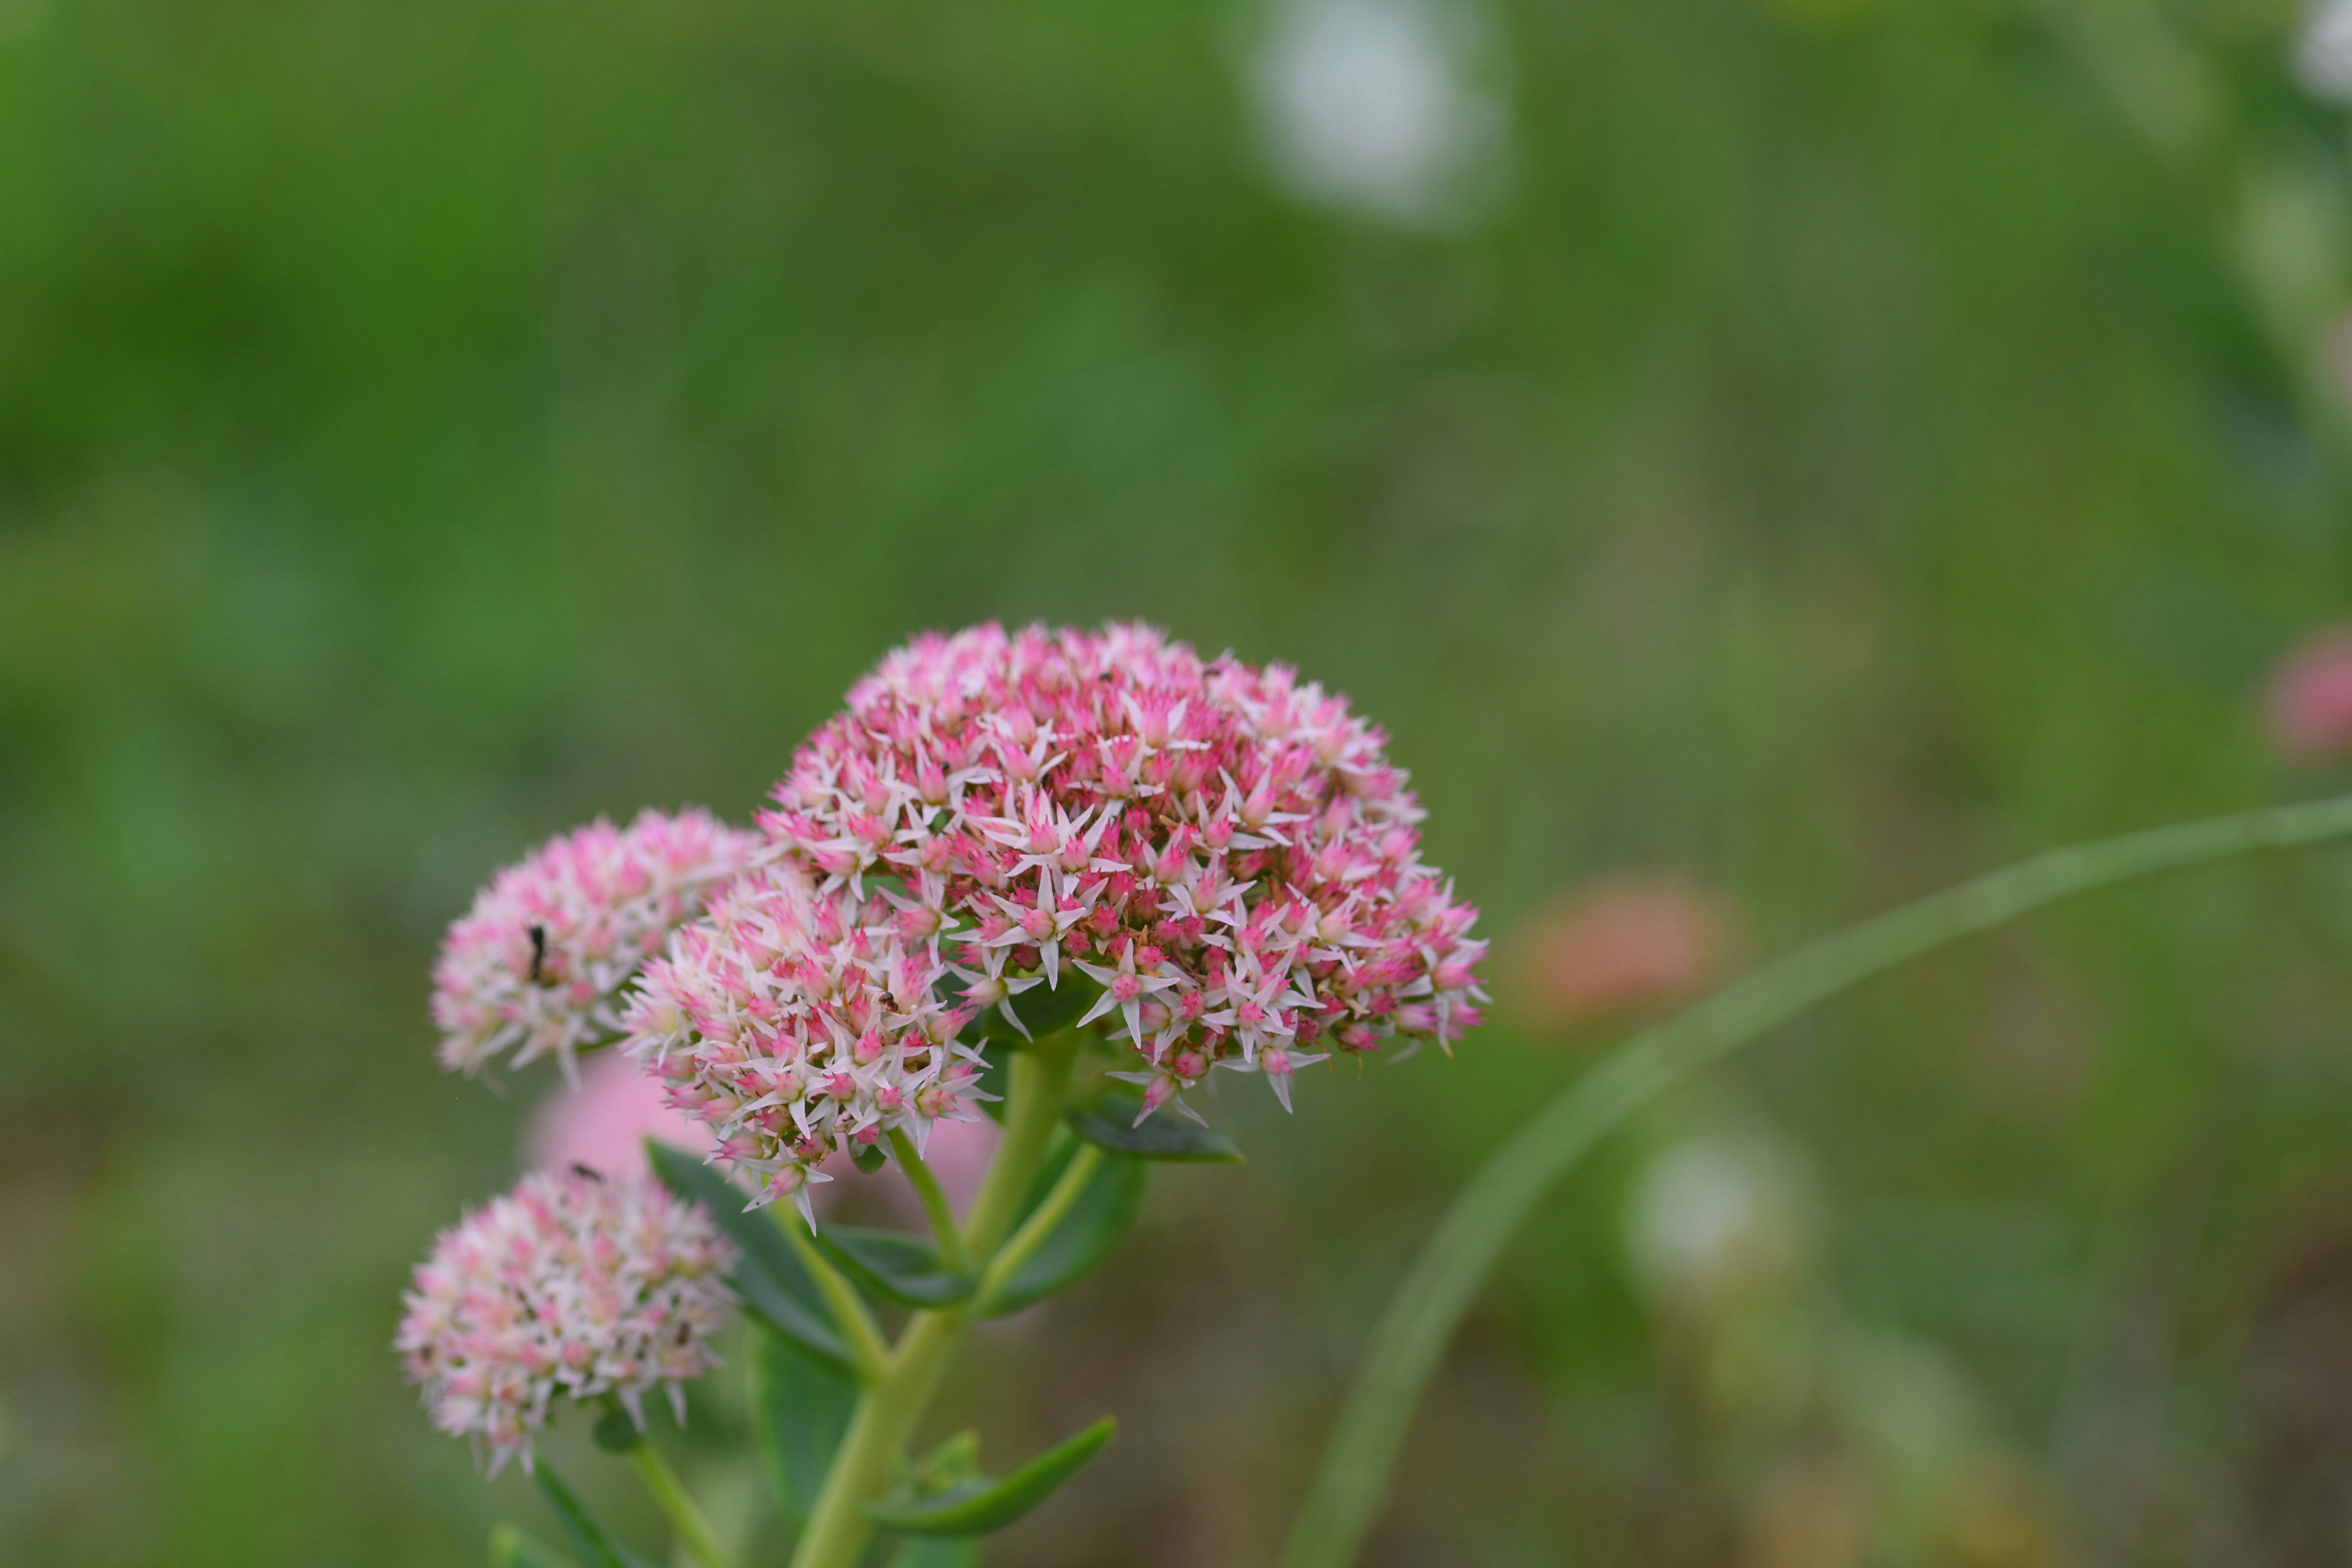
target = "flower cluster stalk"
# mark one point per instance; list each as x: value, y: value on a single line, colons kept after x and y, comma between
x: 899, y: 1388
x: 669, y: 1494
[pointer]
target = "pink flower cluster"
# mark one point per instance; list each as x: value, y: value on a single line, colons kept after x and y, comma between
x: 1225, y: 851
x: 570, y: 1284
x: 536, y: 964
x: 795, y: 1022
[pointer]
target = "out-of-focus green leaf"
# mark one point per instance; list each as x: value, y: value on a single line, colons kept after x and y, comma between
x: 616, y: 1434
x: 1102, y: 1213
x: 801, y: 1404
x: 772, y: 1281
x: 1042, y: 1010
x: 596, y: 1549
x: 1111, y: 1121
x: 902, y: 1269
x: 980, y: 1506
x: 510, y: 1548
x: 953, y: 1462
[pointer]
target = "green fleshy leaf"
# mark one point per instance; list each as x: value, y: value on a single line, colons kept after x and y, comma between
x: 1050, y: 1011
x: 771, y: 1278
x: 510, y: 1548
x: 936, y: 1551
x: 1111, y: 1121
x: 616, y: 1433
x: 1043, y: 1010
x: 953, y: 1462
x: 979, y: 1506
x: 596, y: 1549
x: 902, y: 1269
x: 799, y: 1407
x: 1104, y: 1212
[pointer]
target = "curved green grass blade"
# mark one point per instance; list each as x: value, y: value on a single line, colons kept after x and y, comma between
x: 1411, y: 1334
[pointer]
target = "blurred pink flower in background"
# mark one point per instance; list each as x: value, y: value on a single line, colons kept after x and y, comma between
x: 2307, y: 697
x: 603, y: 1125
x: 1619, y: 945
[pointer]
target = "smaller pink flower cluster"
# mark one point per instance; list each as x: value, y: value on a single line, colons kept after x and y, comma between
x: 795, y: 1021
x: 536, y: 964
x: 570, y: 1284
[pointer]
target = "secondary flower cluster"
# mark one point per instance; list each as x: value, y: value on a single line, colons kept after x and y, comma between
x: 570, y: 1284
x: 536, y: 964
x: 796, y: 1021
x: 1226, y: 852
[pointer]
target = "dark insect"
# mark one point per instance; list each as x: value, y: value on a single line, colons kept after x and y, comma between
x: 581, y: 1168
x: 537, y: 951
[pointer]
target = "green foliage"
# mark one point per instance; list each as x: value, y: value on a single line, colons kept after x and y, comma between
x: 801, y: 1404
x: 594, y: 1547
x: 773, y: 1282
x: 894, y: 1265
x: 1847, y: 460
x: 616, y: 1433
x: 1111, y: 1123
x: 1043, y: 1010
x: 979, y: 1506
x: 510, y: 1548
x: 1104, y: 1212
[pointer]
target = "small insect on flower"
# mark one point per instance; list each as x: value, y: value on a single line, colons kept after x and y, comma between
x: 536, y: 965
x: 571, y: 1285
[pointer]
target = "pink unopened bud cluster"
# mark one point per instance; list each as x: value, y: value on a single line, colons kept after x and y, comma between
x: 796, y: 1021
x: 1226, y: 851
x: 570, y: 1284
x: 535, y: 966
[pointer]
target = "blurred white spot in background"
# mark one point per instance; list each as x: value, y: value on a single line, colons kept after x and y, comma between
x: 1371, y: 104
x: 1716, y: 1218
x: 2322, y: 54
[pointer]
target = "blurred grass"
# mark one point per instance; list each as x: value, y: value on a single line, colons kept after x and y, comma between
x: 1847, y: 459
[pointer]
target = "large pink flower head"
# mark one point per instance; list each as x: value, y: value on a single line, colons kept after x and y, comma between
x: 1226, y: 852
x: 570, y: 1284
x: 536, y: 964
x: 797, y: 1020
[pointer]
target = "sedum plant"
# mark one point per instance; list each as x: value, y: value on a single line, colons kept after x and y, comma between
x: 1058, y: 878
x: 1055, y: 878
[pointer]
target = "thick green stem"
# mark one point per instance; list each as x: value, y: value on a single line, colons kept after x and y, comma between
x: 935, y: 1202
x: 693, y: 1531
x: 865, y: 1345
x: 1411, y: 1334
x: 1040, y: 1224
x: 892, y: 1405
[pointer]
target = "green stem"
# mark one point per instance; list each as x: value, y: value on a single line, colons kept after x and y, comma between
x: 693, y: 1531
x: 865, y: 1342
x: 893, y: 1404
x: 935, y: 1202
x: 1040, y: 1224
x: 1412, y: 1333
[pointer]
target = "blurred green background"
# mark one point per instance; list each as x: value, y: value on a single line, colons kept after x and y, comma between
x: 1814, y: 450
